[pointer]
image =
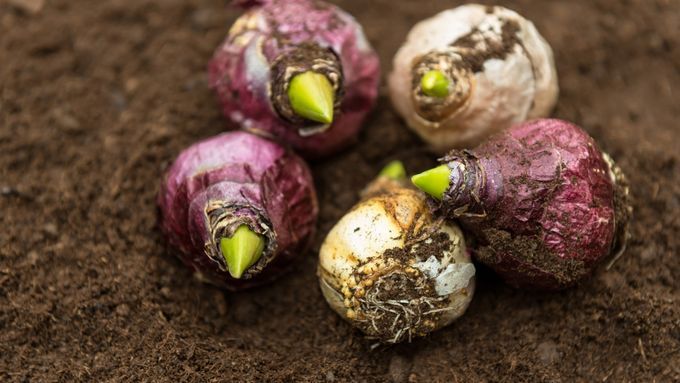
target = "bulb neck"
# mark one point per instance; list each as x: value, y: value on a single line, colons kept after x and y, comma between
x: 468, y: 195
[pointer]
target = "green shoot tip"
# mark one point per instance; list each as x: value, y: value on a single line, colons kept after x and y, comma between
x: 394, y: 170
x: 241, y: 250
x: 434, y: 182
x: 435, y: 84
x: 311, y: 96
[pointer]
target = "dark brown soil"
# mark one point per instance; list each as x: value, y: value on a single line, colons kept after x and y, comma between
x: 98, y: 96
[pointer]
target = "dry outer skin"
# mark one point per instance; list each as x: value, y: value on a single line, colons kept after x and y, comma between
x: 92, y: 112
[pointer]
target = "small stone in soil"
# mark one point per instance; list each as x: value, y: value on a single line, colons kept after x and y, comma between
x: 32, y: 258
x: 649, y: 253
x: 131, y: 85
x: 166, y: 292
x: 51, y: 229
x: 122, y: 310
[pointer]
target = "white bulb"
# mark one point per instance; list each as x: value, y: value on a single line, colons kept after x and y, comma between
x: 392, y: 270
x: 510, y: 83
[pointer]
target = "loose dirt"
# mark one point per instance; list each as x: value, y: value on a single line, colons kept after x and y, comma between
x: 97, y: 97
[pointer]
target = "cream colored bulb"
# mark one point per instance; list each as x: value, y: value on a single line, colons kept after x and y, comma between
x: 392, y: 270
x: 502, y: 72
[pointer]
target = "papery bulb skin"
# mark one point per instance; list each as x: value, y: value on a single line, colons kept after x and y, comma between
x: 218, y: 185
x: 543, y: 204
x: 498, y: 68
x: 393, y: 270
x: 254, y: 70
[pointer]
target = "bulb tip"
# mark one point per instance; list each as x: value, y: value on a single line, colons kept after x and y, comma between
x: 312, y: 97
x: 241, y: 250
x: 434, y: 83
x: 434, y: 182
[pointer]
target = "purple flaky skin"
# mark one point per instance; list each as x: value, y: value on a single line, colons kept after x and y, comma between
x: 241, y: 70
x: 543, y: 203
x: 237, y: 178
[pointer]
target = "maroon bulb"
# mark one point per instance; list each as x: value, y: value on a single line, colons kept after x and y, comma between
x: 544, y: 205
x: 233, y: 183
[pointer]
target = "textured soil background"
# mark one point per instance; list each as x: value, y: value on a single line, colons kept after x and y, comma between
x: 98, y: 96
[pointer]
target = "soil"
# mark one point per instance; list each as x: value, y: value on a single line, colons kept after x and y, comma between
x: 97, y: 97
x: 493, y: 49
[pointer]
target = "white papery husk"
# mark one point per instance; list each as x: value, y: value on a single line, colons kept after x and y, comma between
x: 352, y: 264
x: 520, y: 87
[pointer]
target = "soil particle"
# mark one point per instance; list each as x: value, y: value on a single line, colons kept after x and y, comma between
x: 547, y: 352
x: 400, y: 368
x: 123, y: 310
x: 66, y: 121
x: 421, y: 244
x: 51, y: 229
x: 434, y: 246
x: 480, y: 49
x: 531, y: 251
x: 61, y: 322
